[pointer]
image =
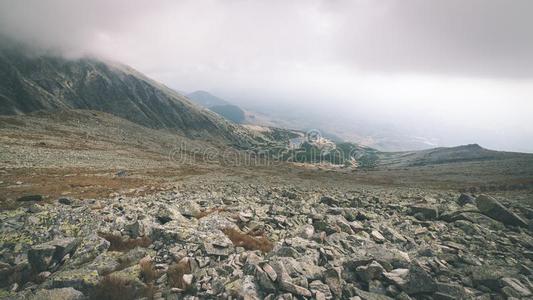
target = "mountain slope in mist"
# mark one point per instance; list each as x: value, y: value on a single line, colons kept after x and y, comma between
x: 218, y: 105
x: 42, y: 82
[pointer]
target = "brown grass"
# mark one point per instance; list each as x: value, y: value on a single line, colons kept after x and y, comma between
x: 117, y: 243
x: 83, y: 183
x: 247, y: 241
x: 148, y: 272
x: 175, y: 274
x: 113, y: 287
x: 207, y: 212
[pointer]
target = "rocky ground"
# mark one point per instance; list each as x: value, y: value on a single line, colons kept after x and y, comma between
x: 238, y: 239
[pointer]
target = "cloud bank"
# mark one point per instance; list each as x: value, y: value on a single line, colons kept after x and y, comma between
x: 457, y: 71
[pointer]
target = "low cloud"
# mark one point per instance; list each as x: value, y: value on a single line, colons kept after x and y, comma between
x: 462, y: 70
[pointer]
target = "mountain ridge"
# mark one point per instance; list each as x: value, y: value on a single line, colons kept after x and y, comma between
x: 48, y: 82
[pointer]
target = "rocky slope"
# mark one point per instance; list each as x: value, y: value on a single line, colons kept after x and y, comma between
x: 232, y: 239
x: 30, y: 82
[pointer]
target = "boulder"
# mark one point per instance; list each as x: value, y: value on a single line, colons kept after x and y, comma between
x: 494, y: 209
x: 332, y: 277
x: 488, y: 276
x: 370, y: 272
x: 65, y: 201
x: 514, y: 288
x: 45, y: 255
x: 419, y: 280
x: 189, y: 209
x: 423, y: 212
x: 466, y: 199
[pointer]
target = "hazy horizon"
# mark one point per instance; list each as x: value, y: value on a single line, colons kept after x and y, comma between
x: 452, y: 72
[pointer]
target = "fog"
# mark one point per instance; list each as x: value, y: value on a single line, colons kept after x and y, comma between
x: 449, y: 71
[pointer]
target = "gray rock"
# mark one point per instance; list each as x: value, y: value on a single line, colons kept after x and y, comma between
x: 423, y: 212
x: 219, y: 245
x: 264, y: 280
x: 43, y: 256
x: 370, y: 272
x: 133, y: 229
x: 40, y: 256
x: 466, y: 199
x: 65, y: 201
x: 494, y: 209
x: 332, y: 277
x: 329, y: 201
x: 387, y: 257
x: 514, y: 288
x: 122, y: 173
x: 453, y: 290
x: 318, y: 286
x: 419, y: 280
x: 249, y: 289
x: 397, y: 276
x: 58, y: 294
x: 189, y: 209
x: 369, y: 296
x: 377, y: 236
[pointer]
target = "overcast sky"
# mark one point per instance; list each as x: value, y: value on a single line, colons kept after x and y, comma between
x: 461, y: 67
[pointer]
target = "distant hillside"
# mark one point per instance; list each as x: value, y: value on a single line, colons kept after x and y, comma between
x: 206, y: 99
x: 446, y: 155
x: 29, y: 83
x: 218, y: 105
x: 230, y: 112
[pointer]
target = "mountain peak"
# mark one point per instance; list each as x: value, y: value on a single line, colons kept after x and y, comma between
x: 45, y: 82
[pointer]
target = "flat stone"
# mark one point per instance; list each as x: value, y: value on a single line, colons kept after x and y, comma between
x: 494, y: 209
x: 488, y: 276
x: 370, y: 296
x: 317, y: 287
x: 515, y: 287
x: 397, y: 276
x: 377, y: 236
x: 423, y: 212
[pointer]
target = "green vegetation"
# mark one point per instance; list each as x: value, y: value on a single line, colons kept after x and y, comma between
x: 347, y: 154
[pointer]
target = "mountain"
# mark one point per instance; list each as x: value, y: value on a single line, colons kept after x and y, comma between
x: 31, y: 82
x: 230, y: 112
x: 218, y: 105
x: 468, y: 154
x: 206, y: 99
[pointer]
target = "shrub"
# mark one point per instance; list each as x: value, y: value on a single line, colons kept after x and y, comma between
x: 148, y: 272
x: 117, y: 288
x: 207, y: 212
x: 117, y: 243
x: 247, y: 241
